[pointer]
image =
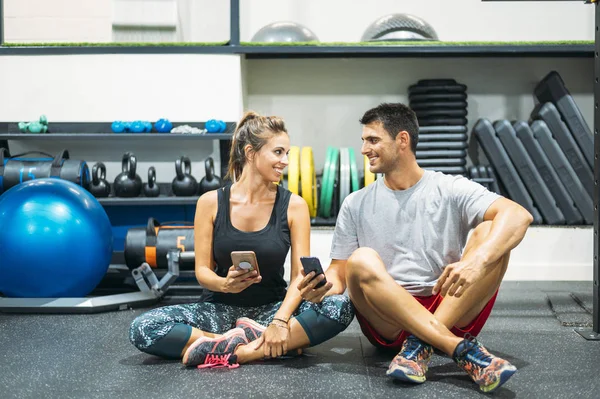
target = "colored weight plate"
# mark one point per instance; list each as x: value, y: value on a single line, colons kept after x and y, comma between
x: 354, y: 186
x: 329, y: 181
x: 308, y: 178
x: 294, y: 170
x: 369, y: 176
x: 344, y: 175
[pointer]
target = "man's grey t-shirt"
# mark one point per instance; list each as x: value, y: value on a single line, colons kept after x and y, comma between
x: 417, y: 231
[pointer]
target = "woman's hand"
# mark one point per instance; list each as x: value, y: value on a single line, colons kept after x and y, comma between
x: 275, y: 339
x: 238, y: 280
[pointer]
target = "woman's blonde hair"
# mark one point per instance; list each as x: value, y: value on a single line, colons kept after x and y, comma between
x: 253, y: 129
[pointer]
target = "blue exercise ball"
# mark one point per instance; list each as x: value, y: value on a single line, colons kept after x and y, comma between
x: 55, y: 240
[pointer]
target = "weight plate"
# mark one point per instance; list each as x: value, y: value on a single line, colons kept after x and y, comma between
x: 294, y: 170
x: 308, y: 180
x: 330, y: 181
x: 325, y: 180
x: 344, y: 175
x: 354, y: 186
x: 369, y: 176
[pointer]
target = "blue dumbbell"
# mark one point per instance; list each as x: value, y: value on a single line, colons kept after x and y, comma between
x: 163, y: 126
x: 212, y: 126
x: 147, y: 127
x: 223, y: 126
x: 137, y: 127
x: 118, y: 127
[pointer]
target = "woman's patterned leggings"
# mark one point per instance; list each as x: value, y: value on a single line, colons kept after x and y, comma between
x: 321, y: 321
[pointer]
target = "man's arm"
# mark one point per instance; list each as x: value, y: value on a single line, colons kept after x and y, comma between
x: 510, y: 222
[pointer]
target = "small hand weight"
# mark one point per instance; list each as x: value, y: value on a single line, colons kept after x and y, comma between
x: 210, y: 181
x: 184, y: 184
x: 128, y: 183
x: 100, y: 188
x: 151, y: 189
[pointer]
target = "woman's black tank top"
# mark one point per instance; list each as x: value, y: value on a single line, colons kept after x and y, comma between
x: 271, y: 246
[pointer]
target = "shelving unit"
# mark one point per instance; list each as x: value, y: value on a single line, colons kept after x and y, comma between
x: 235, y: 47
x: 65, y: 131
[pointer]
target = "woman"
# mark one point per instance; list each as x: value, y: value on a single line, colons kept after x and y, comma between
x: 243, y: 316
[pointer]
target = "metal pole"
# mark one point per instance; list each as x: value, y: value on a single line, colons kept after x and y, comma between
x: 1, y: 22
x: 594, y: 333
x: 234, y: 37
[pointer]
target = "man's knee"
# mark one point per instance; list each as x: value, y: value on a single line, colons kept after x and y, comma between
x: 361, y: 264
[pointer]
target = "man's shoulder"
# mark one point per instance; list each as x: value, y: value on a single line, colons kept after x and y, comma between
x: 356, y: 198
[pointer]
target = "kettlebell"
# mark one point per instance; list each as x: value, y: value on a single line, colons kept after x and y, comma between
x: 128, y: 183
x: 151, y: 189
x: 184, y: 184
x: 99, y: 188
x: 210, y: 181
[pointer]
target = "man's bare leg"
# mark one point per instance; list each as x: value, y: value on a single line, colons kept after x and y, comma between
x: 461, y: 311
x: 388, y: 307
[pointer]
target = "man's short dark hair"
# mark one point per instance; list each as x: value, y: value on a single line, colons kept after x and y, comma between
x: 395, y: 118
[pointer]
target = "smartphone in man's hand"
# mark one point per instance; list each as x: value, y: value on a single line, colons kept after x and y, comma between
x: 313, y: 264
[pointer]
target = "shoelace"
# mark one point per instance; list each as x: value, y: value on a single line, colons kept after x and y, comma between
x: 218, y: 360
x: 479, y: 354
x: 412, y: 343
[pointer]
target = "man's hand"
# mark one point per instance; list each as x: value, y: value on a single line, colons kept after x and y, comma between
x: 309, y: 292
x: 457, y: 277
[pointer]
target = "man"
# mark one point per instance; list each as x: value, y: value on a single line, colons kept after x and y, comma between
x: 402, y: 248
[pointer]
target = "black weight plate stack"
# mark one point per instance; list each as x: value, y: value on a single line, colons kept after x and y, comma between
x: 441, y: 108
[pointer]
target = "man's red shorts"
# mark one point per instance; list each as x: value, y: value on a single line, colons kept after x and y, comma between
x: 431, y: 303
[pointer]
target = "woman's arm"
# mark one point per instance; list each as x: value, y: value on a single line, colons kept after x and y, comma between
x: 299, y: 222
x: 236, y: 280
x: 206, y: 212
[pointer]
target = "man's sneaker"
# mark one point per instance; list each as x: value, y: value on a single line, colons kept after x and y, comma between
x: 410, y: 364
x: 215, y: 352
x: 487, y: 370
x: 252, y: 329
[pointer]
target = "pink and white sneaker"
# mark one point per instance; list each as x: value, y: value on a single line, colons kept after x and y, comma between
x: 215, y: 352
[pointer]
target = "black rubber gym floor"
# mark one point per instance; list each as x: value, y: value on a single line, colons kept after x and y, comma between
x: 89, y: 356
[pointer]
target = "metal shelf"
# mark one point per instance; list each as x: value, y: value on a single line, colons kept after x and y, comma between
x: 483, y: 50
x: 98, y: 136
x: 148, y: 201
x: 326, y: 51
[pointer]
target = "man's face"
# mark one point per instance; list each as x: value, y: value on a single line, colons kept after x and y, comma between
x: 383, y: 151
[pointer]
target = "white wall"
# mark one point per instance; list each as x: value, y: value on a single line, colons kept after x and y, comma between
x: 323, y: 99
x: 544, y: 254
x: 459, y: 20
x: 27, y: 21
x: 103, y: 88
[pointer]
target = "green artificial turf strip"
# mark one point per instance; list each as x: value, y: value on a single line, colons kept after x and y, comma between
x: 115, y: 44
x: 316, y: 44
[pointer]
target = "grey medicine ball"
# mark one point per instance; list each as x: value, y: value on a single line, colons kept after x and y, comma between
x: 396, y: 27
x: 284, y: 32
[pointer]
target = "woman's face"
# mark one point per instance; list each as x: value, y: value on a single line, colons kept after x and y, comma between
x: 272, y: 158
